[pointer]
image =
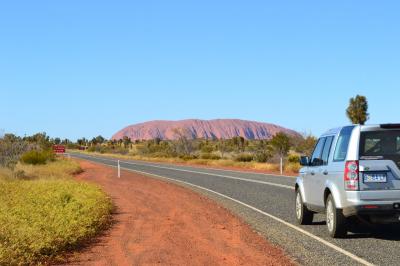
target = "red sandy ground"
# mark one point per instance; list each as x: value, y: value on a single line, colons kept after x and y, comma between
x: 162, y: 223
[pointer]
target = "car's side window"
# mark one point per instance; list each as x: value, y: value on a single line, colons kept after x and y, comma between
x: 326, y: 150
x: 342, y: 144
x: 316, y: 159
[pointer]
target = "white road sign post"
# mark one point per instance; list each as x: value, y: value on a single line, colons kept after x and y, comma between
x: 119, y: 170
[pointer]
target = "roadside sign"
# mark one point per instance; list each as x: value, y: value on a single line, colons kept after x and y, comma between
x: 59, y: 149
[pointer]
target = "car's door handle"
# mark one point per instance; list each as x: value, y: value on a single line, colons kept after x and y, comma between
x: 312, y: 173
x: 325, y: 172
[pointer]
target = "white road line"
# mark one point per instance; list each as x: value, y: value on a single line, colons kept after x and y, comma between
x: 321, y: 240
x: 203, y: 173
x: 241, y: 172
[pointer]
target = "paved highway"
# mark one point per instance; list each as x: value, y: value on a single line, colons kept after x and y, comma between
x: 267, y: 203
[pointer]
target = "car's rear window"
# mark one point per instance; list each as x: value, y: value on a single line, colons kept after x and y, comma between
x: 380, y: 144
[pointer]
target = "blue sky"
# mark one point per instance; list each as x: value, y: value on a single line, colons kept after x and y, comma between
x: 83, y: 68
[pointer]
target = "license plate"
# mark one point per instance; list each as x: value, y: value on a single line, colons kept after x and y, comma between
x: 375, y: 178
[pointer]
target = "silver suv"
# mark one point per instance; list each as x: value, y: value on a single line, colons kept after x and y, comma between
x: 354, y: 171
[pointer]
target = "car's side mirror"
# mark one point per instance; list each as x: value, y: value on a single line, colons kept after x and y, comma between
x: 304, y: 161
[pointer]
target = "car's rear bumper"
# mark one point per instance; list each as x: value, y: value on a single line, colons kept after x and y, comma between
x: 373, y: 210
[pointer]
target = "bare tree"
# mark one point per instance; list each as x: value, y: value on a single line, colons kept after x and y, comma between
x: 281, y: 144
x: 184, y: 143
x: 11, y: 149
x: 223, y: 147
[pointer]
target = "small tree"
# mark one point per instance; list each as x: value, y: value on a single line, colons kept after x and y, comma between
x: 263, y: 151
x: 184, y: 143
x: 239, y: 142
x: 100, y: 139
x: 11, y: 149
x: 306, y: 144
x: 81, y: 142
x: 357, y: 111
x: 223, y: 147
x: 126, y: 141
x: 281, y: 144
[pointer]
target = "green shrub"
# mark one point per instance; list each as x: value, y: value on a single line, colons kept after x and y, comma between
x: 41, y: 218
x: 210, y: 156
x: 262, y: 157
x: 292, y: 167
x: 207, y: 149
x: 37, y: 157
x: 293, y: 158
x: 160, y: 154
x: 244, y: 157
x: 188, y: 157
x: 120, y: 150
x: 91, y: 149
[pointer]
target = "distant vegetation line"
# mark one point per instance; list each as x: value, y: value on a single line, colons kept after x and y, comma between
x: 227, y: 151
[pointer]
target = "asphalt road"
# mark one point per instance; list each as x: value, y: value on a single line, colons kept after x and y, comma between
x: 267, y: 203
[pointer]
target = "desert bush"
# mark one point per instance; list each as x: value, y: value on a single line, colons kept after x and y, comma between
x: 41, y: 218
x: 37, y: 157
x: 161, y: 154
x: 292, y: 167
x: 99, y: 149
x: 305, y: 145
x: 210, y: 156
x: 40, y: 139
x: 11, y: 149
x: 92, y: 149
x: 188, y: 157
x: 59, y: 169
x: 28, y: 236
x: 262, y: 157
x: 105, y: 149
x: 281, y: 144
x: 206, y: 146
x: 184, y: 144
x: 244, y: 157
x: 293, y: 158
x: 116, y: 150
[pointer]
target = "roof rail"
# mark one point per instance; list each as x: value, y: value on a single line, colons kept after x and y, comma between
x: 390, y: 126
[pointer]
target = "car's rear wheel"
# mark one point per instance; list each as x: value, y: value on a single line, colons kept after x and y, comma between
x: 303, y: 215
x: 335, y: 220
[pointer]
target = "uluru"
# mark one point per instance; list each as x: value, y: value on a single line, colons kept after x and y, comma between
x: 206, y: 129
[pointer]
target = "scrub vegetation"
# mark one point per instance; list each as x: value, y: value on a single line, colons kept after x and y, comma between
x: 236, y: 152
x: 43, y: 211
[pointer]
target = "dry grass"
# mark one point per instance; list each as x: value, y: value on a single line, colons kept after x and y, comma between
x: 59, y: 169
x: 5, y: 174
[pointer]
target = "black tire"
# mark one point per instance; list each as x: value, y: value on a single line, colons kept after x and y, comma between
x: 335, y: 220
x: 303, y: 215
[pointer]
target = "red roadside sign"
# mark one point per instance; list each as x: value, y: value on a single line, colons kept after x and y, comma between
x: 59, y: 148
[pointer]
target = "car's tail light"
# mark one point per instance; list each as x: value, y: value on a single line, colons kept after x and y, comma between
x: 351, y: 175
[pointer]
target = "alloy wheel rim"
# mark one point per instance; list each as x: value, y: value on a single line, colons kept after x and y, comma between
x: 298, y: 206
x: 329, y: 216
